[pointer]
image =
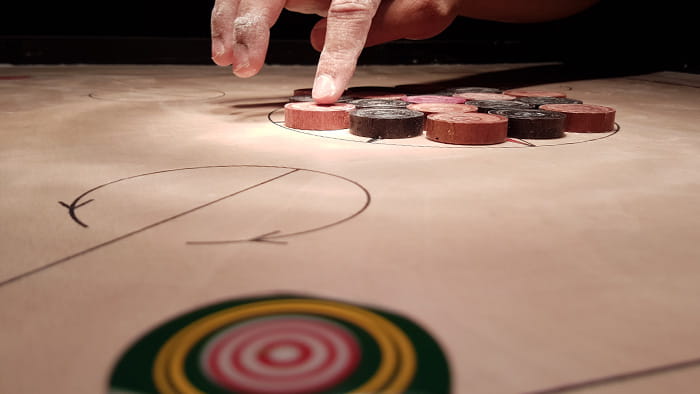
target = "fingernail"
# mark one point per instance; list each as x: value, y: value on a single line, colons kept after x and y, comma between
x: 242, y: 67
x: 324, y: 87
x: 217, y: 49
x: 217, y: 53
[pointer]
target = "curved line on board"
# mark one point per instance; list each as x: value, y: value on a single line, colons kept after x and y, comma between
x: 62, y: 260
x: 178, y: 97
x: 276, y: 234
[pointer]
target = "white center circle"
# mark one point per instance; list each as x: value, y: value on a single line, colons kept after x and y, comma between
x: 285, y: 353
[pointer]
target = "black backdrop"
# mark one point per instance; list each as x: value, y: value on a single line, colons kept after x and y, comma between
x: 635, y: 36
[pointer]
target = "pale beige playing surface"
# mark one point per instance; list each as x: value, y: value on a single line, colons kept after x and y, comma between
x: 534, y: 267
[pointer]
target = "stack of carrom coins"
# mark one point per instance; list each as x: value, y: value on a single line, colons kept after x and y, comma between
x: 452, y: 115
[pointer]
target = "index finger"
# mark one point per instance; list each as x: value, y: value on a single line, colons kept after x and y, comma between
x: 348, y: 24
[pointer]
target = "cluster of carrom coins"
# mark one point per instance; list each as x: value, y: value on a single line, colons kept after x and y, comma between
x: 465, y: 115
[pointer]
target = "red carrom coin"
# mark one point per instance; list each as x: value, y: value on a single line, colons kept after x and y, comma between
x: 312, y: 116
x: 427, y: 98
x: 533, y: 93
x: 585, y: 118
x: 467, y: 129
x: 484, y: 96
x: 437, y: 108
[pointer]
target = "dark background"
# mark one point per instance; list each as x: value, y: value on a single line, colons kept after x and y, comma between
x: 615, y: 35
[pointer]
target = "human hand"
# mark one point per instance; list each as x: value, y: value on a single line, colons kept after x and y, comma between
x: 241, y: 32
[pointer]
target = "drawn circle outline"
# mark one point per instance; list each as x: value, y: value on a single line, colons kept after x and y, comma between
x: 76, y: 203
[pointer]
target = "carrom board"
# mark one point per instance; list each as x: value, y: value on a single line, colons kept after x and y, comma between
x: 133, y: 194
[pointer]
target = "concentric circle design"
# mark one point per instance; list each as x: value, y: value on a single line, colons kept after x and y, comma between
x: 300, y: 353
x: 283, y: 344
x: 233, y: 358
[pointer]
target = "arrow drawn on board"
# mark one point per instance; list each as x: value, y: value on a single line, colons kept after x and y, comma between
x: 73, y: 206
x: 267, y: 237
x: 520, y: 141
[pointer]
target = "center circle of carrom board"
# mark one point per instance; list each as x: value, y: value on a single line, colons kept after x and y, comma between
x: 284, y: 344
x: 422, y: 142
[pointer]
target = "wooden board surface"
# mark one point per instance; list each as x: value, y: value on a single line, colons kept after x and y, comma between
x: 536, y: 268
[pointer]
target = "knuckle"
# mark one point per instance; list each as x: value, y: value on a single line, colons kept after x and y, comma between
x: 246, y: 28
x: 338, y: 56
x: 242, y: 23
x: 217, y: 30
x: 353, y: 9
x: 219, y: 19
x: 319, y: 7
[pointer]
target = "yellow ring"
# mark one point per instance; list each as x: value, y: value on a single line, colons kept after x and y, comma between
x: 168, y: 370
